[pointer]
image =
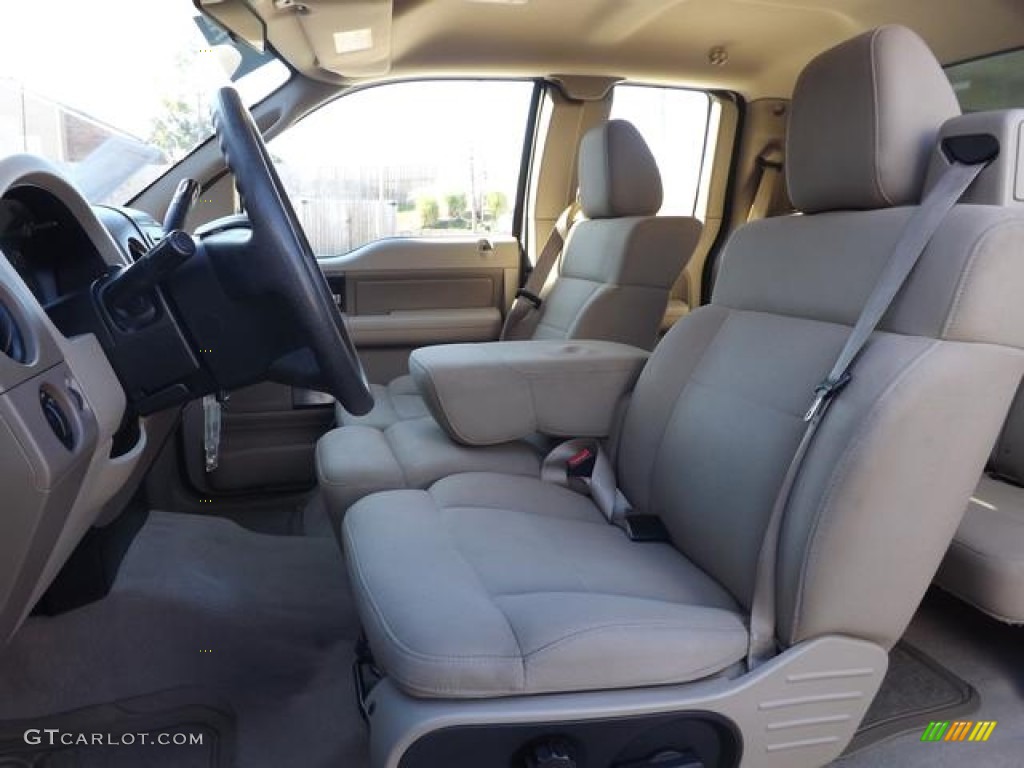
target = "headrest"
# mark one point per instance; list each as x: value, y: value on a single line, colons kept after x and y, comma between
x: 618, y: 174
x: 864, y: 119
x: 1002, y: 181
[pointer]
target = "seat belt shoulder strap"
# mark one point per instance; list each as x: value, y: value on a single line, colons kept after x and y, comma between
x: 529, y: 297
x: 967, y: 155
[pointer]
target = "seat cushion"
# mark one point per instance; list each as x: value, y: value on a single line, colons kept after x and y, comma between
x: 397, y: 401
x: 492, y: 585
x: 355, y: 461
x: 985, y: 563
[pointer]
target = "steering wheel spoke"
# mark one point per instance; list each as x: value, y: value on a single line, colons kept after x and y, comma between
x: 281, y: 261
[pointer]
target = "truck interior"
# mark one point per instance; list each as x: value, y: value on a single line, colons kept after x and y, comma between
x: 511, y: 383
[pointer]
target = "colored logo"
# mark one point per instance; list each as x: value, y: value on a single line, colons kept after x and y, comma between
x: 959, y: 730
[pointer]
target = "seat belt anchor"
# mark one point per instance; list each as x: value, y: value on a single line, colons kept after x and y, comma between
x: 533, y: 298
x: 823, y: 393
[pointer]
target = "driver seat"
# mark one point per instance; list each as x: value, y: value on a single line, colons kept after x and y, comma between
x: 486, y: 590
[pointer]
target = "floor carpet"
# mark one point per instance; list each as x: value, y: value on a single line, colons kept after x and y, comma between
x: 182, y: 728
x: 986, y: 654
x: 264, y: 626
x: 265, y: 623
x: 916, y: 691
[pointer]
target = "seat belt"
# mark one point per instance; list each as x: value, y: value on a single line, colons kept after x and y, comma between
x: 522, y: 317
x: 583, y: 465
x: 771, y: 163
x: 967, y: 156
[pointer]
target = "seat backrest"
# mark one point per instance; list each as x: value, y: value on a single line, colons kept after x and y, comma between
x: 718, y: 411
x: 1002, y: 183
x: 621, y: 260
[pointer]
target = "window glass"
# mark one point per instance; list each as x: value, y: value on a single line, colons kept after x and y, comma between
x: 994, y: 82
x: 410, y: 159
x: 114, y: 92
x: 674, y: 122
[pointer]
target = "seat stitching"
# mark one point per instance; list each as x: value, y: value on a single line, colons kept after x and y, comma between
x: 875, y: 117
x: 394, y: 453
x: 739, y: 396
x: 679, y: 397
x: 618, y: 626
x: 466, y: 508
x: 839, y: 473
x: 379, y: 615
x: 977, y: 604
x: 483, y: 588
x: 606, y: 593
x: 983, y: 555
x: 968, y: 272
x: 584, y: 584
x: 581, y: 310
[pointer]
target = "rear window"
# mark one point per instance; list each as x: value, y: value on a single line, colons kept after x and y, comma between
x: 993, y: 82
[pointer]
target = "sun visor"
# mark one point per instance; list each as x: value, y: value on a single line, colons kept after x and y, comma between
x: 351, y: 38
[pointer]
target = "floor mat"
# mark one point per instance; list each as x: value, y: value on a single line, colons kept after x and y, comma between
x: 916, y: 690
x: 267, y: 623
x: 184, y: 728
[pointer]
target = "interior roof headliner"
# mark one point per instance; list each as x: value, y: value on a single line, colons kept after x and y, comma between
x: 767, y: 41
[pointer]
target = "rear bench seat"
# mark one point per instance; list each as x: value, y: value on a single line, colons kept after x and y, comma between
x: 985, y: 564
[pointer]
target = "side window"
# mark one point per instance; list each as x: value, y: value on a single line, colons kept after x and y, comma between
x: 674, y: 122
x: 994, y: 82
x: 409, y: 159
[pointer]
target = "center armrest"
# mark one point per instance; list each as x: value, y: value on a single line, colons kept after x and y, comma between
x: 484, y: 394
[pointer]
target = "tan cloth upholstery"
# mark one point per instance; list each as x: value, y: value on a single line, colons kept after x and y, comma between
x: 398, y: 400
x: 618, y: 175
x: 709, y: 432
x: 486, y: 394
x: 985, y: 563
x: 356, y: 461
x: 618, y: 266
x: 862, y: 141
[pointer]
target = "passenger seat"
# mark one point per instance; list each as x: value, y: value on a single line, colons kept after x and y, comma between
x: 985, y: 563
x: 617, y: 269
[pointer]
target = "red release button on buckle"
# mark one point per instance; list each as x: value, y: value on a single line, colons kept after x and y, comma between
x: 580, y: 458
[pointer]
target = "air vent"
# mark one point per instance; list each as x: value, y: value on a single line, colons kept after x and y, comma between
x: 12, y: 343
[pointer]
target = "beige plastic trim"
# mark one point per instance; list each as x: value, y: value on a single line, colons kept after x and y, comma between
x: 714, y: 189
x: 412, y: 254
x: 553, y: 173
x: 799, y: 710
x: 52, y: 494
x: 764, y: 129
x: 425, y: 326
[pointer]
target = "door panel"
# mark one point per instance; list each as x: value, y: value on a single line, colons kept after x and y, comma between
x: 403, y: 293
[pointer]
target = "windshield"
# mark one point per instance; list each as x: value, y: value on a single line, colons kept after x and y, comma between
x: 113, y: 91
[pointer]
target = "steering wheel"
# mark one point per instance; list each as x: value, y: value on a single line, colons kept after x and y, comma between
x: 281, y: 256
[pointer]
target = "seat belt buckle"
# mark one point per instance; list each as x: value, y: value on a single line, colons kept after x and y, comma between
x: 581, y: 463
x: 645, y: 528
x: 823, y: 393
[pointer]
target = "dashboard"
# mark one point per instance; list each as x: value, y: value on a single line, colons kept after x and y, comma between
x: 107, y: 325
x: 61, y: 401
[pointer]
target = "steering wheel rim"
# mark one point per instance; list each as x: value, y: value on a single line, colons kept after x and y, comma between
x: 280, y: 246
